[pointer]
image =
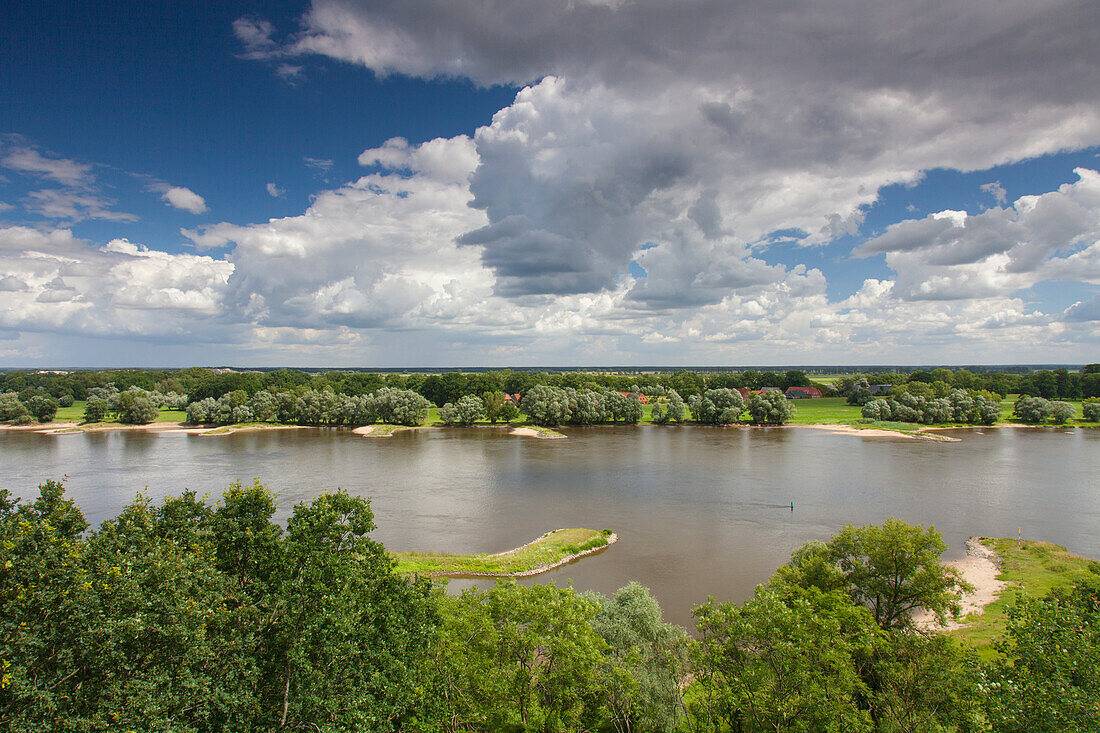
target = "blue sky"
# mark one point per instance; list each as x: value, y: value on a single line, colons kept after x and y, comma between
x: 422, y: 183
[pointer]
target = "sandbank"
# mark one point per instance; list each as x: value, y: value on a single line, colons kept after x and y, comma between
x: 980, y: 568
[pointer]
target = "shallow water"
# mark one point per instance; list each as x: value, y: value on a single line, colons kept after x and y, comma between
x: 699, y: 511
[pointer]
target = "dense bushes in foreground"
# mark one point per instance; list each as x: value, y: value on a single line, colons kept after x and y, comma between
x: 187, y: 617
x: 960, y: 406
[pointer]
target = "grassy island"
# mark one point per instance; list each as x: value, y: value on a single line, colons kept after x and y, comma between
x: 545, y: 553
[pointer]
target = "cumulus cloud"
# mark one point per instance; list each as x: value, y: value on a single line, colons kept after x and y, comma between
x: 180, y: 197
x: 53, y: 281
x: 950, y: 255
x: 705, y: 126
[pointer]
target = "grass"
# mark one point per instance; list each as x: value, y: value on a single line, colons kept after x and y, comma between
x: 1031, y: 569
x: 75, y: 413
x: 551, y: 548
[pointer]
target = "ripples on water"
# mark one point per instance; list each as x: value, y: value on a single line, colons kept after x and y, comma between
x: 700, y: 511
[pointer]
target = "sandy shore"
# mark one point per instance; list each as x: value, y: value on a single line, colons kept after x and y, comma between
x: 533, y: 433
x: 980, y: 568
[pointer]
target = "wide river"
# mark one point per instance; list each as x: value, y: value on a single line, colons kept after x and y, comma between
x: 700, y: 511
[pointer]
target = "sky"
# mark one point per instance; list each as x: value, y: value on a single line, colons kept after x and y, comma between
x: 382, y: 183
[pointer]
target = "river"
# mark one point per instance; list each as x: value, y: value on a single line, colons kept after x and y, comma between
x: 699, y: 511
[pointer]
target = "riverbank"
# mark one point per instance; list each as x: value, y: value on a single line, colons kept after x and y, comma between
x: 541, y: 555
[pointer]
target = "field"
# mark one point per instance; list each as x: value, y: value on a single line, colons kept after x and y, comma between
x: 551, y: 548
x: 75, y: 413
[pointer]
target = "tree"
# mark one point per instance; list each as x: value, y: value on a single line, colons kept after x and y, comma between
x: 548, y: 406
x: 96, y: 409
x: 645, y: 661
x: 716, y: 406
x: 42, y: 407
x: 519, y: 658
x: 1032, y: 410
x: 894, y: 569
x: 1091, y: 411
x: 12, y: 408
x: 770, y: 408
x: 1061, y: 412
x: 1048, y: 677
x: 675, y: 406
x: 467, y: 411
x: 494, y: 404
x: 785, y: 660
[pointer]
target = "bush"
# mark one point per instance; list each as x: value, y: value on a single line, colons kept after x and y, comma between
x: 12, y: 408
x: 65, y: 400
x: 717, y: 406
x: 466, y: 412
x: 1091, y: 411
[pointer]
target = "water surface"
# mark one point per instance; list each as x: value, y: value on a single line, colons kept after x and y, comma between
x: 700, y: 511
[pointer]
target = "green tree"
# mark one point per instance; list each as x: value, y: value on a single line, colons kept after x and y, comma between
x: 1047, y: 678
x: 645, y: 661
x: 895, y: 569
x: 467, y: 411
x: 42, y: 407
x: 519, y: 658
x: 786, y: 660
x: 770, y: 408
x: 96, y: 409
x: 1061, y: 412
x: 12, y: 408
x: 1032, y: 410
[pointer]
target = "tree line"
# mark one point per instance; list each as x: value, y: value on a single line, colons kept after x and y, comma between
x: 439, y: 389
x: 192, y: 617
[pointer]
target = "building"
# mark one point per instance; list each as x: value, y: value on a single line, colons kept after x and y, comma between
x: 803, y: 393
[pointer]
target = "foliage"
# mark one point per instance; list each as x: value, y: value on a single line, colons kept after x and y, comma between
x: 12, y: 408
x: 892, y: 570
x: 645, y: 661
x: 770, y: 408
x: 548, y: 406
x: 185, y: 617
x: 96, y: 409
x: 785, y: 660
x: 959, y: 406
x: 1048, y: 678
x: 467, y: 411
x: 1091, y: 411
x: 716, y: 406
x: 42, y: 407
x: 1032, y: 410
x: 133, y: 407
x: 1061, y: 412
x: 520, y: 658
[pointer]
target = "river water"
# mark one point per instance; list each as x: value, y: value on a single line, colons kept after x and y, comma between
x: 699, y: 511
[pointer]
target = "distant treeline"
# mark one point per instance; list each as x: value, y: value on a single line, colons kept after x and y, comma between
x: 439, y: 389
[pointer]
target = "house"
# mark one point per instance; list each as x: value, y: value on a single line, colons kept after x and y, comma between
x: 641, y: 397
x: 803, y: 393
x: 881, y: 388
x: 513, y: 398
x: 743, y: 391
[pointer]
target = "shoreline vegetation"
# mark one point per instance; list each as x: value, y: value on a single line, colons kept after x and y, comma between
x: 853, y: 427
x: 911, y: 403
x: 550, y: 551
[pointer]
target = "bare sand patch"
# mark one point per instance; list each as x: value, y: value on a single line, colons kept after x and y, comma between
x: 980, y: 568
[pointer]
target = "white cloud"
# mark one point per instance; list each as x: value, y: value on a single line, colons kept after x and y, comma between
x: 60, y: 170
x: 52, y: 281
x: 949, y: 255
x: 73, y: 205
x: 996, y: 190
x: 184, y: 198
x: 274, y: 191
x: 705, y: 128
